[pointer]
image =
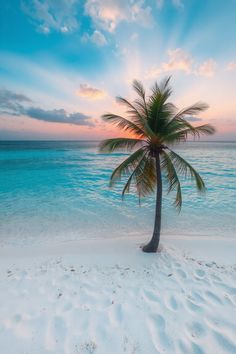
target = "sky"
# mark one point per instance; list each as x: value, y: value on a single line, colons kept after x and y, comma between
x: 63, y: 62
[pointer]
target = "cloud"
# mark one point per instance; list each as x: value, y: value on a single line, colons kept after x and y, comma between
x: 107, y: 14
x: 58, y: 116
x: 11, y: 102
x: 16, y: 104
x: 90, y: 92
x: 51, y: 15
x: 141, y: 15
x: 231, y: 66
x: 207, y: 68
x: 97, y: 38
x: 179, y: 60
x: 177, y: 3
x: 62, y: 15
x: 8, y: 96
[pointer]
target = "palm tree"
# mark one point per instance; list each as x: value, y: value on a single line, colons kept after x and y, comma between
x: 155, y: 124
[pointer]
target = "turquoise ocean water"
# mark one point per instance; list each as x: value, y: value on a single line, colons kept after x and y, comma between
x: 59, y: 190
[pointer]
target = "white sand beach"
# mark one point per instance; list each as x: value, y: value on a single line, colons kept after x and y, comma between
x: 106, y: 296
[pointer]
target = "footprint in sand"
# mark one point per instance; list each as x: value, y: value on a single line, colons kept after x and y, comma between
x: 198, y: 299
x: 196, y: 349
x: 177, y: 264
x: 160, y: 322
x: 196, y: 329
x: 157, y: 327
x: 183, y: 347
x: 225, y: 343
x: 150, y: 295
x: 214, y: 298
x: 200, y: 273
x: 166, y: 342
x: 193, y: 307
x: 230, y: 290
x: 172, y: 303
x: 156, y: 324
x: 181, y: 273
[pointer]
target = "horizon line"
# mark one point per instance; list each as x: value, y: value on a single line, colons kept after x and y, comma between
x: 95, y: 140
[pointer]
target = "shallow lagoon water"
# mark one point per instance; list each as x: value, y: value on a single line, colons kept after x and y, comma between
x: 59, y: 190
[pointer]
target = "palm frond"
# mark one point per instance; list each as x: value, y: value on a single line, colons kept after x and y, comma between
x: 137, y: 116
x: 185, y: 169
x: 127, y: 166
x: 138, y: 87
x: 160, y: 111
x: 124, y: 124
x: 172, y: 127
x: 110, y: 145
x: 146, y: 177
x: 185, y: 130
x: 194, y: 109
x: 172, y: 178
x: 140, y: 103
x: 143, y: 178
x: 163, y: 89
x: 205, y: 129
x: 178, y: 121
x: 165, y: 83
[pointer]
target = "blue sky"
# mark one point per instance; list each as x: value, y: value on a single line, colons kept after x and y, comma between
x: 63, y: 62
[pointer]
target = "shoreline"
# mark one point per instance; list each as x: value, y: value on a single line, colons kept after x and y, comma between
x: 201, y: 248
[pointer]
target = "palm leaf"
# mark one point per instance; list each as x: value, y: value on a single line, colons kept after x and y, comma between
x: 127, y: 166
x: 160, y: 112
x: 124, y: 124
x: 138, y: 87
x: 179, y: 121
x: 111, y: 145
x: 184, y: 168
x: 141, y: 104
x: 143, y: 178
x: 146, y: 177
x: 205, y: 129
x: 194, y: 109
x: 187, y: 129
x: 172, y: 179
x: 137, y: 117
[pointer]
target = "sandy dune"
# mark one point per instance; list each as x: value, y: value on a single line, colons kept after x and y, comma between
x: 108, y: 297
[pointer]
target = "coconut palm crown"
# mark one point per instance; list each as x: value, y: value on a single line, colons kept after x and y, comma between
x: 155, y: 125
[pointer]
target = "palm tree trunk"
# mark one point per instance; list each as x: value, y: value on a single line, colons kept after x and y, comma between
x: 152, y: 246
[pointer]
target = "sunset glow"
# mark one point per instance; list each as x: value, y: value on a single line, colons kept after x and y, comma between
x: 63, y: 62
